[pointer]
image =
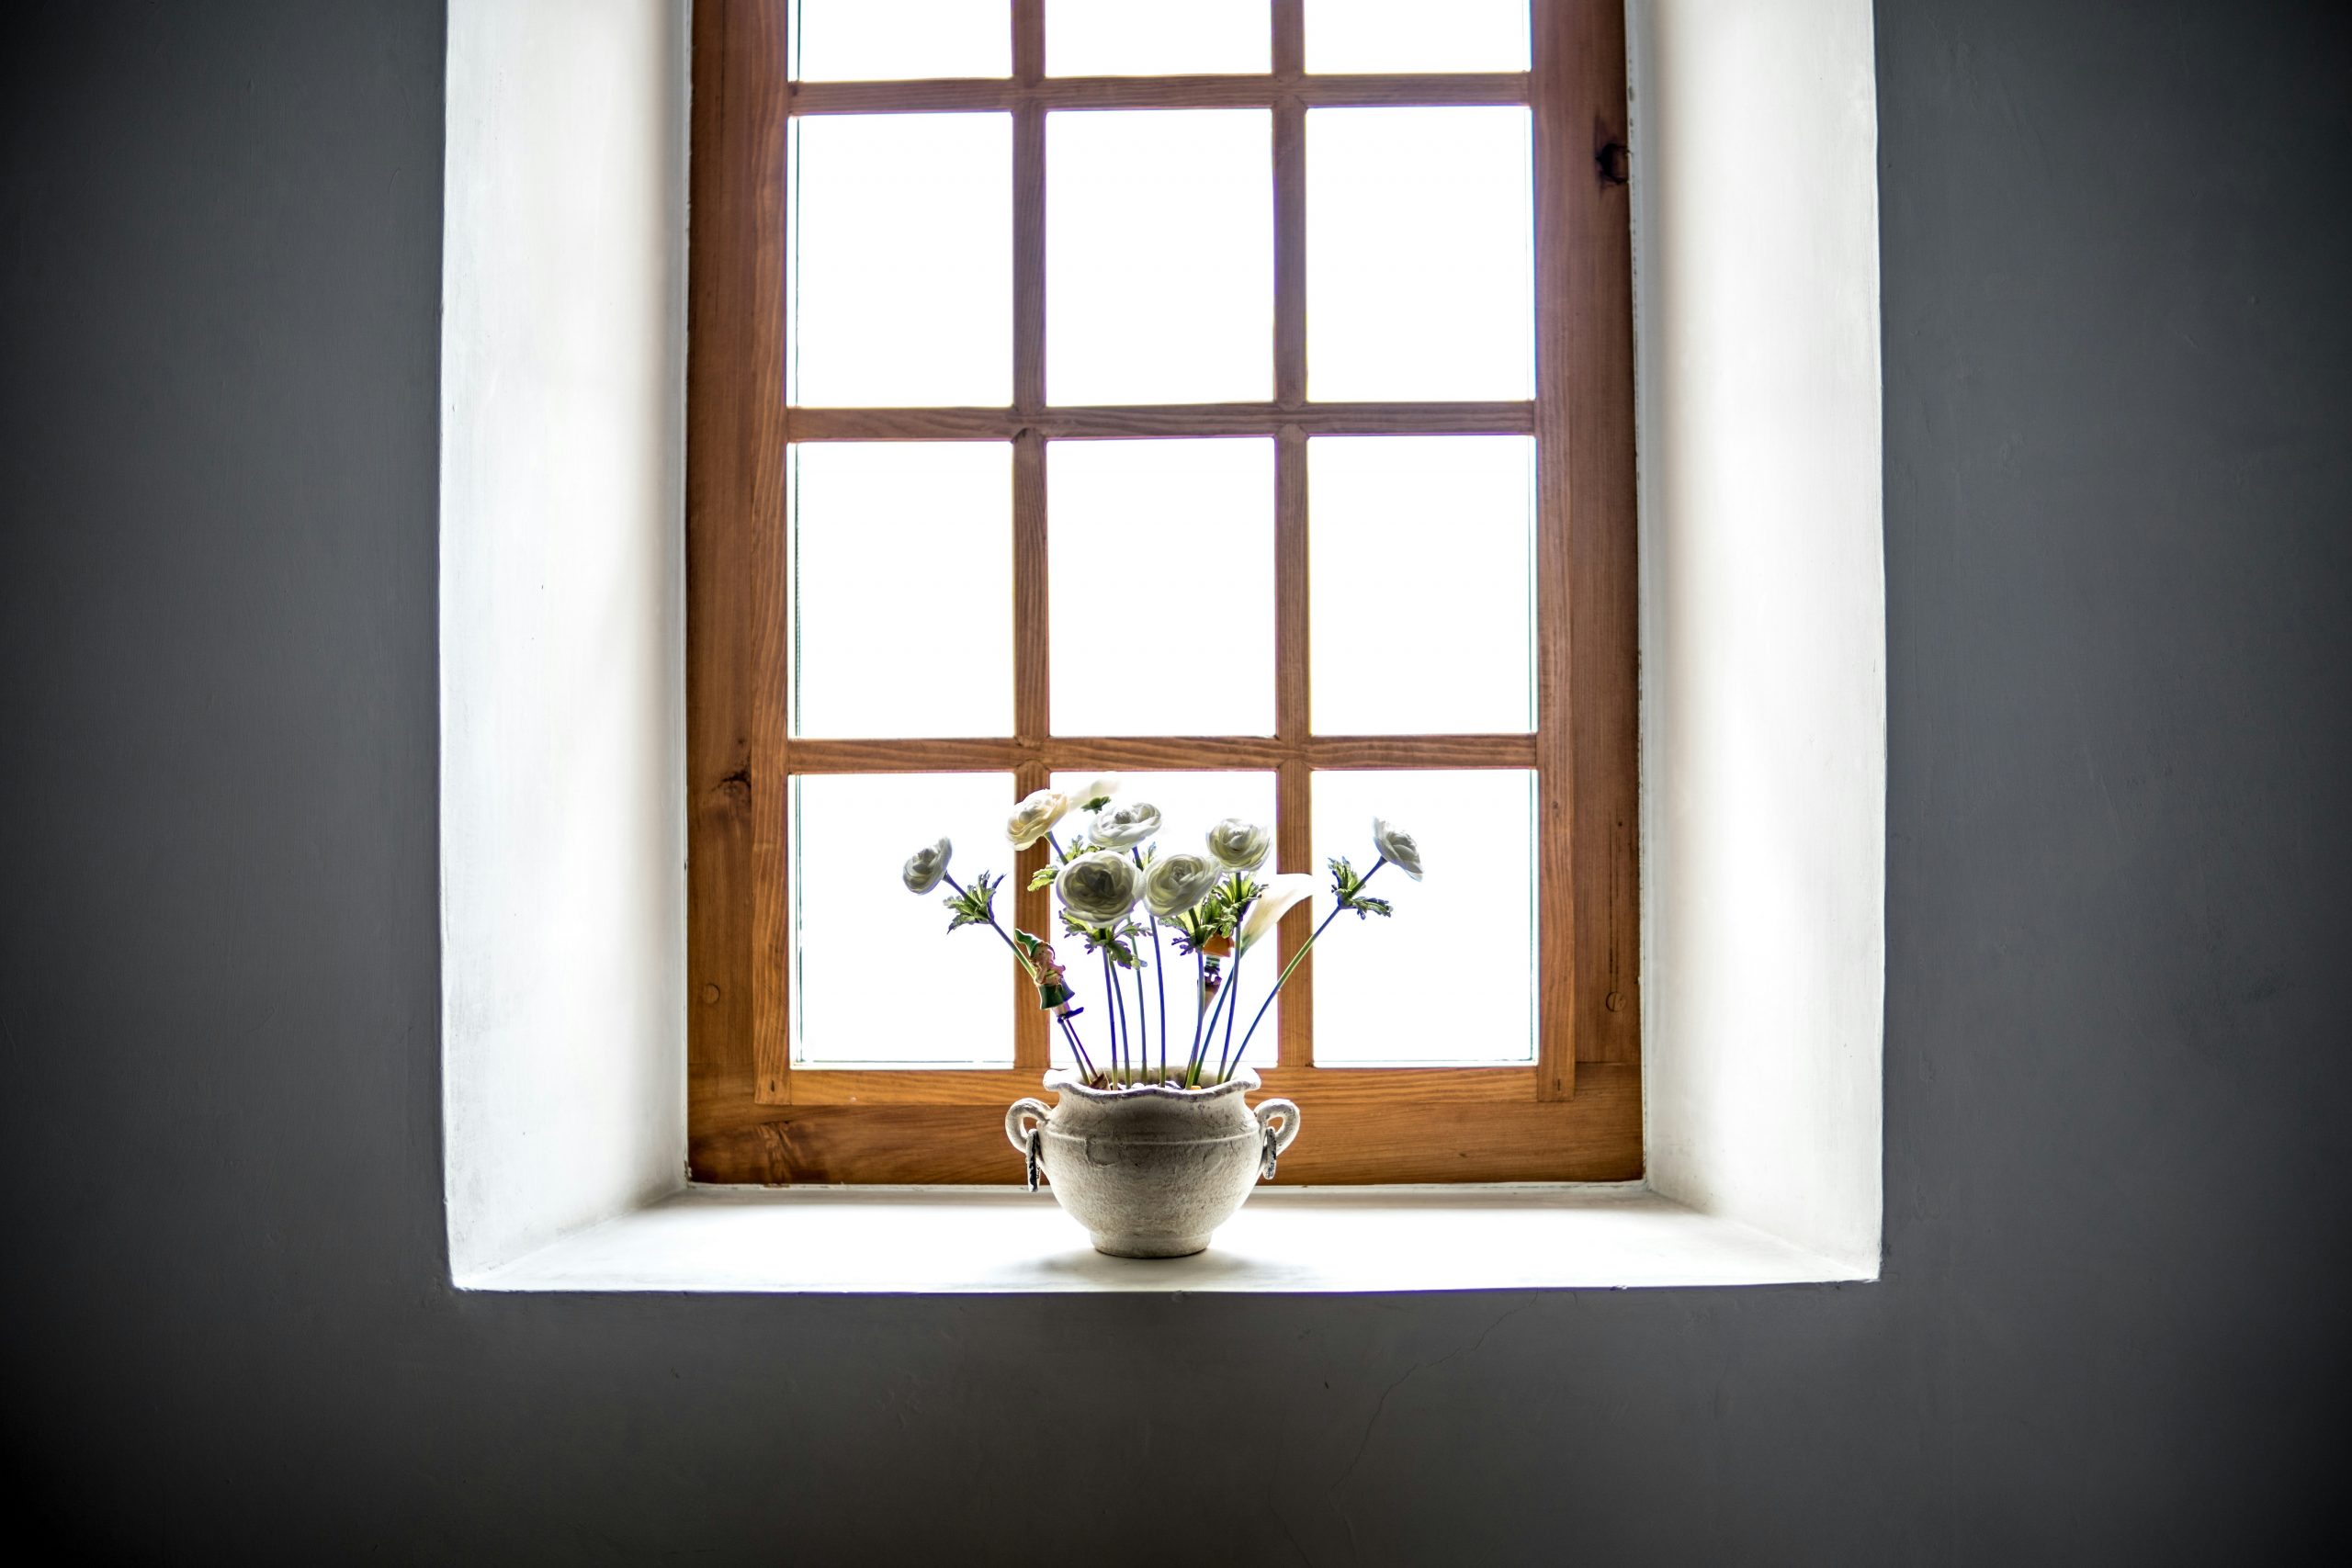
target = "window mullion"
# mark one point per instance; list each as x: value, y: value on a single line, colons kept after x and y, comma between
x: 1294, y: 785
x: 1032, y: 655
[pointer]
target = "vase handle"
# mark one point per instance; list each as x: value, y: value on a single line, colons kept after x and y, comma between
x: 1024, y: 1110
x: 1025, y: 1125
x: 1278, y: 1119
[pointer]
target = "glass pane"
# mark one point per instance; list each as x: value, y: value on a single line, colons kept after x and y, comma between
x: 1421, y: 583
x: 1450, y: 977
x: 900, y: 562
x: 1161, y: 561
x: 1160, y: 259
x: 876, y: 977
x: 898, y: 280
x: 1413, y: 35
x: 1190, y: 803
x: 1157, y: 37
x: 1420, y: 263
x: 898, y: 41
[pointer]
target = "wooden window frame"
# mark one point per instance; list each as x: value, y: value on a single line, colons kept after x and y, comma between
x: 1575, y: 1113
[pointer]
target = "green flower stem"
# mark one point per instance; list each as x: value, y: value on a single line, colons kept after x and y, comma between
x: 1200, y: 988
x: 1070, y: 1034
x: 1305, y: 948
x: 1127, y: 1029
x: 1203, y: 1027
x: 1021, y: 957
x: 1144, y: 1024
x: 1225, y: 1055
x: 1110, y: 1018
x: 1159, y: 973
x: 1200, y: 1053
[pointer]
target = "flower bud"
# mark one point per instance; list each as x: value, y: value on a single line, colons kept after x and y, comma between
x: 1035, y: 817
x: 926, y: 866
x: 1396, y: 847
x: 1099, y: 889
x: 1241, y: 846
x: 1121, y: 826
x: 1175, y: 883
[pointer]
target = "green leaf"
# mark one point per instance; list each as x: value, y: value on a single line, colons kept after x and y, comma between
x: 1043, y: 877
x: 976, y: 905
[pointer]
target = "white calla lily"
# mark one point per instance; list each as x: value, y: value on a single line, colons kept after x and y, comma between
x: 1176, y: 883
x: 1118, y: 826
x: 1098, y: 888
x: 1396, y: 847
x: 1241, y: 846
x: 926, y: 866
x: 1089, y: 795
x: 1035, y: 817
x: 1281, y: 893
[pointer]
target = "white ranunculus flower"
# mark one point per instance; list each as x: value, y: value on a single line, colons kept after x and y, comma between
x: 1241, y: 846
x: 1094, y: 791
x: 1120, y: 826
x: 926, y: 866
x: 1098, y: 888
x: 1396, y: 847
x: 1276, y: 901
x: 1175, y: 883
x: 1035, y: 817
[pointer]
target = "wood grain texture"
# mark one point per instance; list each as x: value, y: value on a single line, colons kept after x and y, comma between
x: 1001, y: 1086
x: 1576, y: 1113
x: 1129, y: 423
x: 1032, y: 693
x: 1596, y: 1137
x: 1290, y: 204
x: 734, y: 496
x: 1588, y: 778
x: 980, y: 94
x: 1146, y: 753
x: 1033, y: 682
x: 1294, y: 781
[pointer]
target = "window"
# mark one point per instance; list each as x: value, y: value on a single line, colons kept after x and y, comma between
x: 981, y: 291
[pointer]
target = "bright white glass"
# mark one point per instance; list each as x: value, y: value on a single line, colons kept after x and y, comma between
x: 1450, y: 977
x: 876, y: 977
x: 1160, y: 558
x: 1344, y: 36
x: 1190, y: 803
x: 1156, y: 38
x: 1419, y: 255
x: 1160, y: 270
x: 899, y: 561
x: 1421, y: 583
x: 898, y: 280
x: 899, y: 41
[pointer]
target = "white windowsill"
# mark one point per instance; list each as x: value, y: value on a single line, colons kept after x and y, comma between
x: 563, y: 801
x: 984, y: 1241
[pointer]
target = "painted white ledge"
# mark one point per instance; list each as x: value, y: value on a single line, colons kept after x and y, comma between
x: 1763, y: 714
x: 1305, y: 1240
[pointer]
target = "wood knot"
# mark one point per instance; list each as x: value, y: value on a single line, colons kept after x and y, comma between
x: 1614, y: 163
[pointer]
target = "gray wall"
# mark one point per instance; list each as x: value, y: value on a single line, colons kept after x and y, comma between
x: 2118, y: 389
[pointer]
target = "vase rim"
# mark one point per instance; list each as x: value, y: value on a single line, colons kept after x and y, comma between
x: 1065, y: 1080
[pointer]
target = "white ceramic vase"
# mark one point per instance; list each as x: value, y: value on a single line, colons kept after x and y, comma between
x: 1152, y: 1172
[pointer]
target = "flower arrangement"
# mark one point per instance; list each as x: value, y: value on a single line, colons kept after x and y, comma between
x: 1128, y: 902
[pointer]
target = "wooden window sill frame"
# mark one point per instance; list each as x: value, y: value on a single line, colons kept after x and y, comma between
x: 1285, y: 1241
x: 1367, y: 1126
